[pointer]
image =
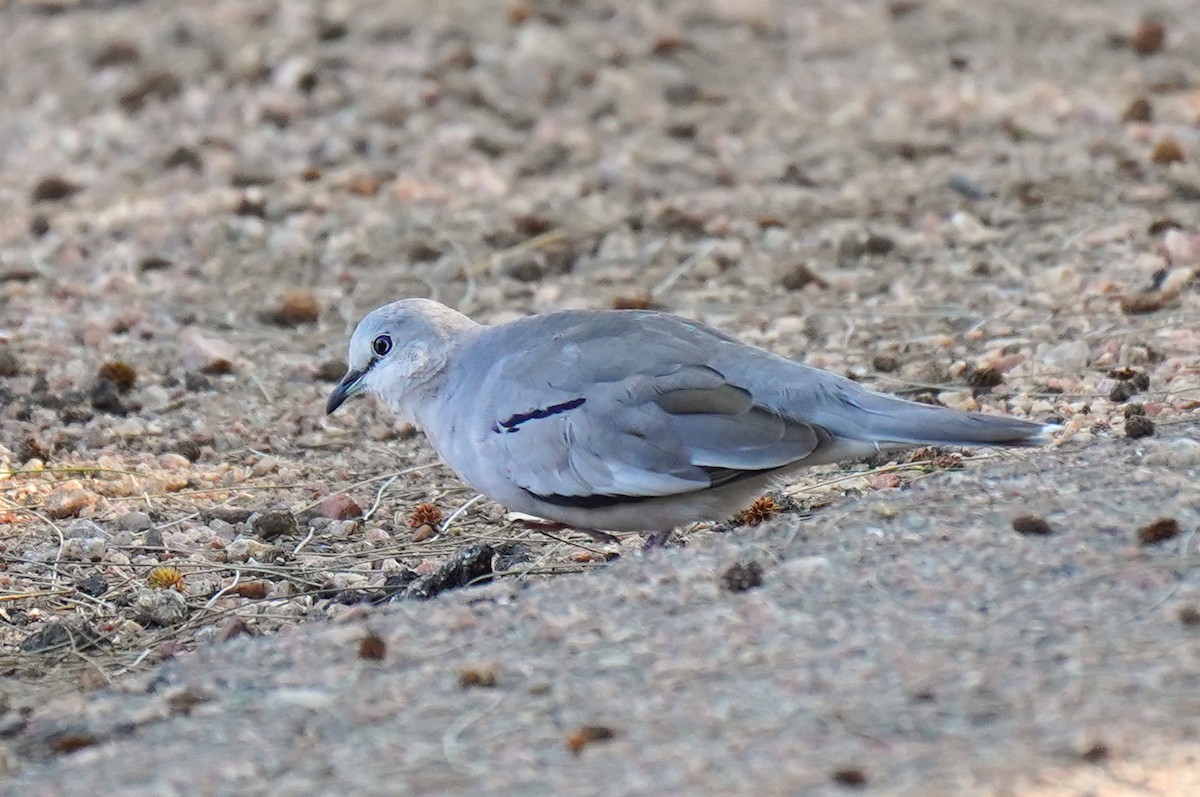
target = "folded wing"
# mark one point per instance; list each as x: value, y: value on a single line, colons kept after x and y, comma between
x: 651, y: 433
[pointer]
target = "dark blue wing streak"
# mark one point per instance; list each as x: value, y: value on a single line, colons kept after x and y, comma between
x: 513, y: 423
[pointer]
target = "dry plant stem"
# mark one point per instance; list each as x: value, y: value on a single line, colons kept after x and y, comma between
x: 379, y: 497
x: 457, y: 512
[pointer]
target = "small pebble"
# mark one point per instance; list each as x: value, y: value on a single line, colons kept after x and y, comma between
x: 189, y: 450
x: 94, y: 549
x: 233, y: 627
x: 851, y: 777
x: 339, y: 507
x: 115, y: 53
x: 269, y: 525
x: 885, y: 363
x: 151, y: 86
x: 1138, y: 426
x: 54, y: 189
x: 801, y: 276
x: 1183, y: 452
x: 174, y: 461
x: 255, y: 590
x: 94, y: 585
x: 296, y: 308
x: 264, y: 466
x: 1149, y: 38
x: 331, y: 371
x: 184, y: 157
x: 65, y: 503
x: 885, y: 481
x: 153, y: 263
x: 203, y: 354
x: 163, y: 607
x: 54, y: 636
x: 742, y: 576
x: 106, y: 397
x: 1139, y: 110
x: 245, y: 548
x: 9, y: 364
x: 1121, y: 392
x: 968, y: 187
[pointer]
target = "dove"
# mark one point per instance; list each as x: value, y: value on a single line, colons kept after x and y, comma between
x: 629, y: 420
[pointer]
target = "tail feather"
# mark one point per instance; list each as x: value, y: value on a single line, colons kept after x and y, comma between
x: 886, y: 419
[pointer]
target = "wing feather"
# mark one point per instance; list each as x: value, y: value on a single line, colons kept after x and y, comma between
x: 650, y: 432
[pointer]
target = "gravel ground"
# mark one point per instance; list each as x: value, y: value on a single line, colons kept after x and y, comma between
x: 990, y: 206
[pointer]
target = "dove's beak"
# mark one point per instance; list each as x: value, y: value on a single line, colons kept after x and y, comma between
x: 351, y: 383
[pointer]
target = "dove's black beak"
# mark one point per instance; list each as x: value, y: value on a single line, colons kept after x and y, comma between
x: 351, y: 383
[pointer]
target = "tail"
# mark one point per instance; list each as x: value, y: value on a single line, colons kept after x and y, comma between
x: 883, y: 419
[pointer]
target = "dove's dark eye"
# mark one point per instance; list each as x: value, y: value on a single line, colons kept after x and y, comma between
x: 381, y: 345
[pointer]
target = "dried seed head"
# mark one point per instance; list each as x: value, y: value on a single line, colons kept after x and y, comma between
x: 164, y: 577
x: 764, y: 508
x: 1161, y: 530
x: 633, y: 303
x: 372, y: 647
x: 425, y: 515
x: 950, y: 461
x: 121, y: 374
x: 478, y: 677
x: 1167, y: 150
x: 589, y: 734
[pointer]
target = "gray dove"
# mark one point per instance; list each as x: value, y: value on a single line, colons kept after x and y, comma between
x: 629, y: 420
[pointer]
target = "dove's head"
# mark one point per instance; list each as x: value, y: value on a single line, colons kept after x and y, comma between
x: 397, y: 347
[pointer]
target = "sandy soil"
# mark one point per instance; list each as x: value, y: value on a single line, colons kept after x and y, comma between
x: 208, y: 586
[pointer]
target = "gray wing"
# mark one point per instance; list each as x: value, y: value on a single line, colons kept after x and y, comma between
x: 590, y: 419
